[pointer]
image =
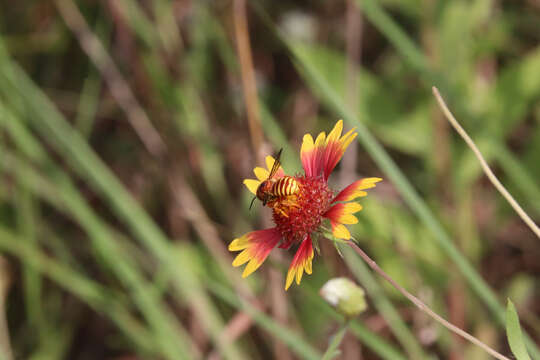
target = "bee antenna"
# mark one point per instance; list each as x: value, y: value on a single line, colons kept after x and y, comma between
x: 250, y: 205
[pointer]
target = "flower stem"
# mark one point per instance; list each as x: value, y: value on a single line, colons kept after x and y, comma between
x: 424, y: 307
x: 484, y: 164
x: 336, y: 340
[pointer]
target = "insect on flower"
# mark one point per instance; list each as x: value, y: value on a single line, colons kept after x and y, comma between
x: 301, y: 203
x: 277, y: 192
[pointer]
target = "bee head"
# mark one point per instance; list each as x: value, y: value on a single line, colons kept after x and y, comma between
x: 263, y: 192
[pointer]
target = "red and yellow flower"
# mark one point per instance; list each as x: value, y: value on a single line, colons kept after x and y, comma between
x: 299, y: 216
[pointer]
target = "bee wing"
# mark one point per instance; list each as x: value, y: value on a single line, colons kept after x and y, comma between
x: 277, y: 164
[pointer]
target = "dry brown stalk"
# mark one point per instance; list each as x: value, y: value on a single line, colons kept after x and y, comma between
x: 423, y: 307
x: 5, y: 284
x: 522, y: 214
x: 249, y: 86
x: 247, y: 72
x: 193, y: 211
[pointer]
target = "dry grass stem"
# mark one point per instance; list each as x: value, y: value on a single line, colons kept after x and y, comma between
x: 353, y: 37
x: 249, y: 84
x: 118, y: 86
x: 279, y: 304
x: 419, y: 304
x: 5, y: 284
x: 236, y: 327
x: 194, y: 212
x: 484, y: 164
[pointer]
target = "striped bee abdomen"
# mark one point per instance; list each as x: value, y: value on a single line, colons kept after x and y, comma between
x: 285, y: 186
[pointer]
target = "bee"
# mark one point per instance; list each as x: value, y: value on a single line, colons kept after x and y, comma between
x: 271, y: 190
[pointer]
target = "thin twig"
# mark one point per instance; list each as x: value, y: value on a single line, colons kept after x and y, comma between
x: 484, y: 164
x: 118, y: 86
x: 423, y: 306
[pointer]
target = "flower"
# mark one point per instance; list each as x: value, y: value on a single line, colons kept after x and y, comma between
x: 300, y: 204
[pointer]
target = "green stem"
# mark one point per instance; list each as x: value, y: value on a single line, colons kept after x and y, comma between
x: 332, y: 351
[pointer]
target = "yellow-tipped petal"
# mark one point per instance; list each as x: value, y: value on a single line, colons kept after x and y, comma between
x: 357, y: 194
x: 309, y: 267
x: 290, y: 278
x: 307, y: 144
x: 299, y: 273
x: 346, y: 141
x: 252, y: 185
x: 348, y: 219
x: 355, y: 189
x: 335, y: 134
x: 365, y: 184
x: 239, y: 244
x: 320, y: 139
x: 242, y: 258
x: 251, y: 267
x: 348, y: 134
x: 261, y: 174
x: 351, y: 208
x: 255, y: 246
x: 341, y: 232
x: 269, y: 160
x: 368, y: 183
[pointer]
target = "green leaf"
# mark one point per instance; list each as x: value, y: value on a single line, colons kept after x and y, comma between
x: 513, y: 332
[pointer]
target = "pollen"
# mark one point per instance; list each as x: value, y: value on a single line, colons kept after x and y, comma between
x: 298, y: 216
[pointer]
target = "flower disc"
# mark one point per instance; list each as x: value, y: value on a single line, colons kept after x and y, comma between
x: 298, y: 217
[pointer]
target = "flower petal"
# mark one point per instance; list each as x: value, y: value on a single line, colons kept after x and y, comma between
x: 256, y: 247
x: 261, y: 173
x: 270, y: 163
x: 239, y: 243
x: 341, y: 213
x: 269, y: 160
x: 348, y: 219
x: 336, y: 132
x: 306, y: 154
x: 340, y: 231
x: 354, y: 190
x: 301, y: 262
x: 320, y: 140
x: 322, y: 156
x: 252, y: 185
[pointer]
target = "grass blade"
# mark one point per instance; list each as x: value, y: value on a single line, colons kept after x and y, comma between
x: 513, y: 332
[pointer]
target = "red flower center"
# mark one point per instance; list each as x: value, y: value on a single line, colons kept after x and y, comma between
x: 299, y: 215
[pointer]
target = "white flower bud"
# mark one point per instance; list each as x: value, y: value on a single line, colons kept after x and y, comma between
x: 345, y: 296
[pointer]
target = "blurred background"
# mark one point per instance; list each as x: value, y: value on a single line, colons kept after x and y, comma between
x: 128, y: 126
